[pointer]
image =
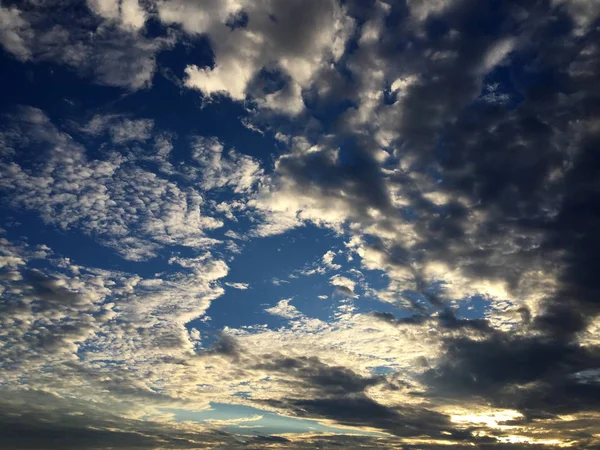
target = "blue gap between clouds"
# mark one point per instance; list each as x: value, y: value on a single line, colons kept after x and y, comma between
x: 261, y: 261
x: 78, y: 247
x: 270, y: 423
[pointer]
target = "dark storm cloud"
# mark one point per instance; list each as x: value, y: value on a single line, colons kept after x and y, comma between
x: 445, y: 318
x: 34, y: 420
x: 70, y: 34
x: 484, y: 446
x: 354, y: 174
x: 574, y: 233
x: 362, y: 411
x: 529, y: 168
x: 448, y: 319
x: 316, y: 375
x: 503, y: 160
x: 226, y: 346
x: 48, y: 291
x: 38, y: 420
x: 536, y: 376
x: 338, y: 393
x: 67, y: 316
x: 416, y: 319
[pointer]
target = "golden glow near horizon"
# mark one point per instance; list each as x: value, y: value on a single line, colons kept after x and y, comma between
x: 492, y: 418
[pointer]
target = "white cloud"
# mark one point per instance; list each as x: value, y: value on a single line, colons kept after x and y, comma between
x: 285, y: 310
x: 220, y: 167
x: 240, y: 286
x: 279, y: 282
x: 328, y: 260
x: 302, y: 37
x: 235, y: 421
x: 121, y: 129
x: 15, y: 33
x: 128, y: 13
x: 131, y: 130
x: 102, y: 334
x: 583, y: 12
x: 497, y: 53
x: 421, y: 9
x: 288, y: 203
x: 126, y: 207
x: 345, y: 285
x: 114, y: 56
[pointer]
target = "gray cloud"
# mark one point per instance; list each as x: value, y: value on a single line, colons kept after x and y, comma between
x: 90, y: 44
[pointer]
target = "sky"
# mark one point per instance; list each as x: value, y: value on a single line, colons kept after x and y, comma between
x: 297, y: 224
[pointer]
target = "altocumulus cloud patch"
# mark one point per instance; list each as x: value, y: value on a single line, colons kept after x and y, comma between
x: 300, y: 224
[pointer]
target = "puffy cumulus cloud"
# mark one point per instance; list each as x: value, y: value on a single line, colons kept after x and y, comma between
x: 44, y: 320
x: 328, y: 260
x: 136, y: 357
x: 293, y: 39
x: 357, y: 342
x: 453, y: 197
x: 240, y: 286
x: 128, y: 13
x: 221, y: 167
x: 284, y: 309
x: 583, y: 12
x: 422, y: 10
x: 119, y: 340
x: 15, y: 34
x: 121, y: 129
x: 45, y: 316
x: 344, y: 286
x: 196, y: 19
x: 110, y: 337
x: 321, y: 184
x: 418, y: 223
x: 101, y: 43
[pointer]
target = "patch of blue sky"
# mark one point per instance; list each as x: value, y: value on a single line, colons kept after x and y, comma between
x: 473, y: 307
x: 81, y: 249
x: 262, y: 422
x: 190, y: 50
x: 266, y: 260
x: 500, y: 87
x: 274, y: 270
x: 328, y: 115
x: 56, y: 90
x: 61, y: 93
x: 186, y: 116
x: 382, y: 370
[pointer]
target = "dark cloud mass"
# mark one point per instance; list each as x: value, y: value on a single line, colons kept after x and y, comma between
x: 337, y: 224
